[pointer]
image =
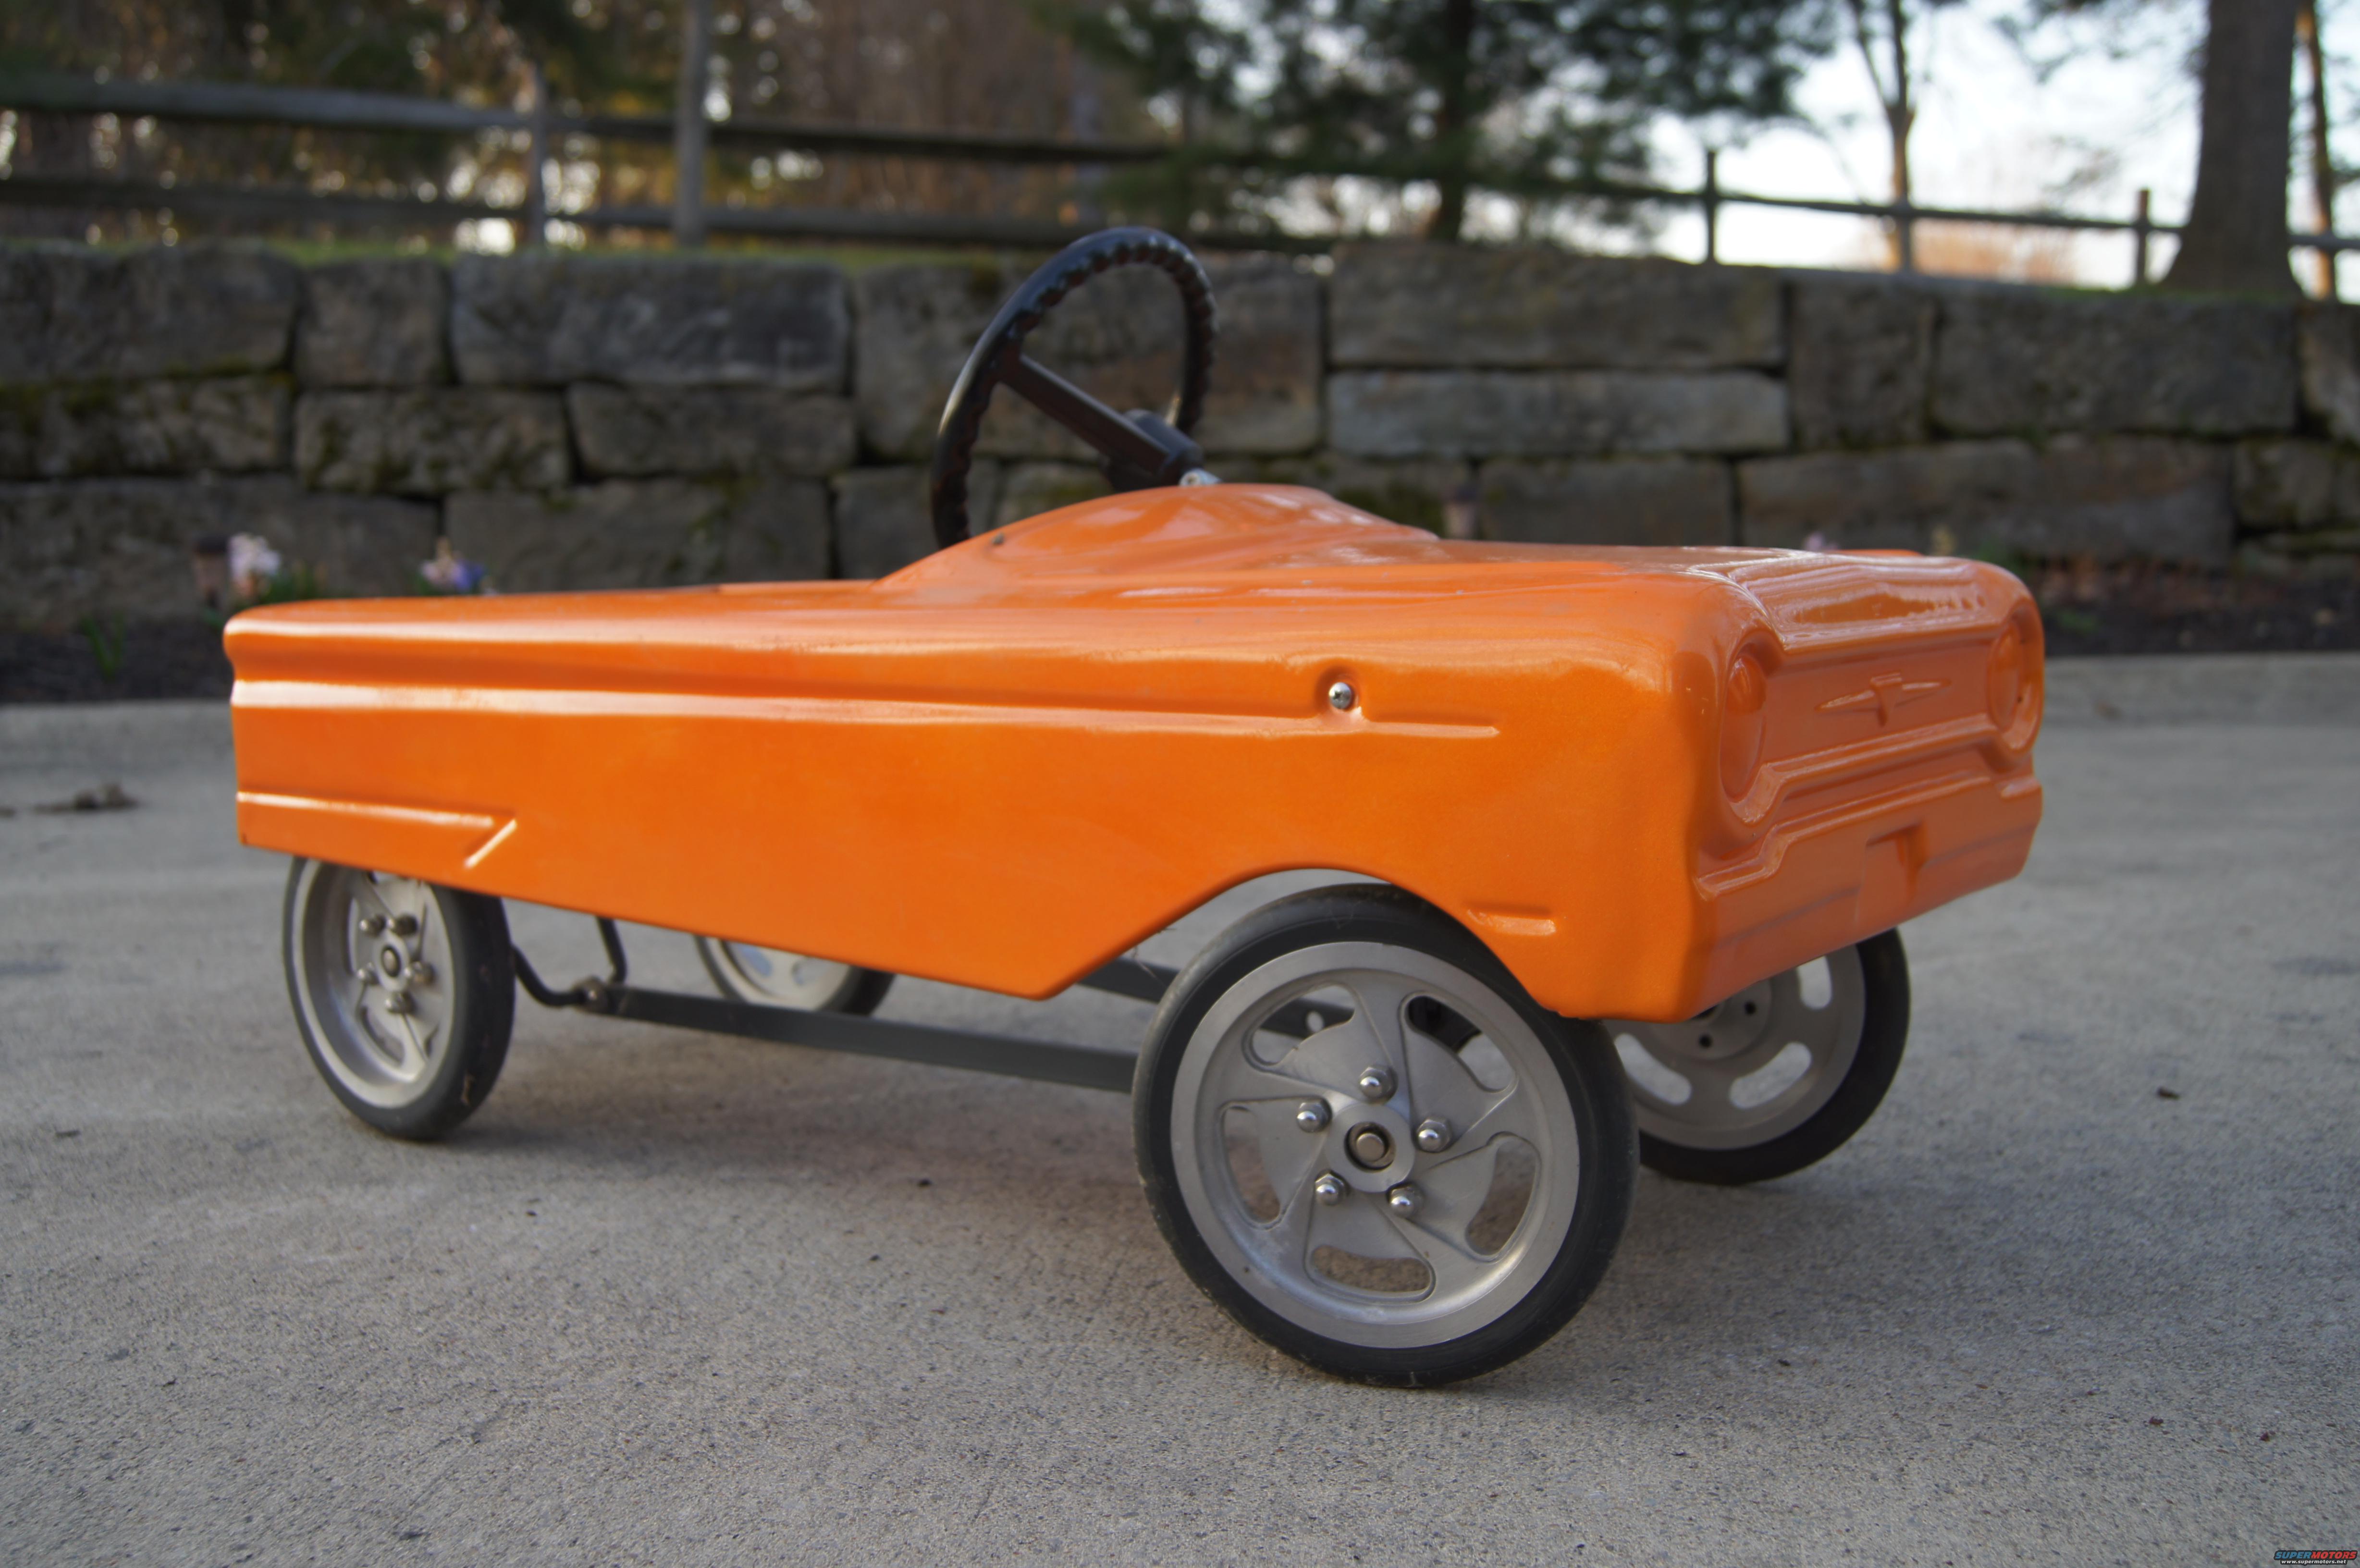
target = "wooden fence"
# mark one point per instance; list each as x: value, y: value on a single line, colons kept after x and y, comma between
x: 688, y: 219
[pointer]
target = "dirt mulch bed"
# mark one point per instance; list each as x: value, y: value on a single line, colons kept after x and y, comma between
x: 2088, y: 610
x: 2140, y: 609
x: 148, y: 659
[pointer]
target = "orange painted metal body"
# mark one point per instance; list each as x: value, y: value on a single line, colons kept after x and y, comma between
x: 1644, y: 777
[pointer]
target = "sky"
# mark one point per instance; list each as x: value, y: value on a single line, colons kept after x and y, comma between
x: 1991, y: 134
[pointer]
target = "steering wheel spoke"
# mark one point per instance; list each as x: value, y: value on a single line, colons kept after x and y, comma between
x: 1120, y: 440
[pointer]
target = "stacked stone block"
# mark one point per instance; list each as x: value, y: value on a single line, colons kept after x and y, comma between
x: 606, y: 422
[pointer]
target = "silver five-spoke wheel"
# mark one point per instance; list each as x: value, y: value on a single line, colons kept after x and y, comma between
x: 402, y: 990
x: 1424, y: 1185
x: 1774, y: 1077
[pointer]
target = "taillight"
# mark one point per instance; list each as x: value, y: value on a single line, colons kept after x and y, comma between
x: 2013, y: 684
x: 1742, y: 722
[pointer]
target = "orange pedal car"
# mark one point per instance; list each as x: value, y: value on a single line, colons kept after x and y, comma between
x: 1631, y: 830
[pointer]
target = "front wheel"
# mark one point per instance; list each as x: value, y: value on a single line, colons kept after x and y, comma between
x: 1424, y: 1186
x: 1775, y: 1078
x: 405, y: 993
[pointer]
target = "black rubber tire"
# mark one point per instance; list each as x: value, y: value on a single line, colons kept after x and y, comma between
x: 1884, y: 1034
x: 483, y: 1014
x: 861, y: 998
x: 1584, y: 1055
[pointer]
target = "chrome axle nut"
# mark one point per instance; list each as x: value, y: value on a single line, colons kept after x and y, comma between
x: 1369, y: 1147
x: 1405, y: 1201
x: 1329, y: 1189
x: 1433, y: 1136
x: 1312, y: 1116
x: 1377, y: 1083
x: 1340, y: 696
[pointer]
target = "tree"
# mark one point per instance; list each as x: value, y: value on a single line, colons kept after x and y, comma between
x: 2237, y: 232
x: 1882, y: 27
x: 2322, y: 153
x: 1516, y: 94
x: 2235, y: 238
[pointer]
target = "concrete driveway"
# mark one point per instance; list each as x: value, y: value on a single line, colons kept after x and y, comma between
x: 679, y: 1299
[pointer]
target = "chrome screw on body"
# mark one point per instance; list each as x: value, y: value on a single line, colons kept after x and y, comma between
x: 1405, y: 1201
x: 1312, y: 1116
x: 1328, y: 1189
x: 1376, y: 1083
x: 1433, y: 1136
x: 1340, y: 696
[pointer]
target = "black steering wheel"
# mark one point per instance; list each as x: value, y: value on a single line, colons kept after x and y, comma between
x: 1141, y: 449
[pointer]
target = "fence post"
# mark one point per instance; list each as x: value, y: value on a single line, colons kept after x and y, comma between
x: 688, y: 130
x: 1711, y: 202
x: 536, y: 153
x: 2139, y: 230
x: 1904, y: 236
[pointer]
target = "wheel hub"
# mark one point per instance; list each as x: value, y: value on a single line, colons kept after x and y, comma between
x: 1729, y: 1028
x: 373, y: 992
x: 1371, y: 1146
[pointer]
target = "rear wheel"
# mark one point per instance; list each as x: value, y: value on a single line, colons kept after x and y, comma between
x: 405, y: 993
x: 1424, y: 1186
x: 1775, y: 1078
x: 777, y: 978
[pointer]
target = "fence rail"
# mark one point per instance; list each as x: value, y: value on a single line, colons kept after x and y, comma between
x: 326, y: 109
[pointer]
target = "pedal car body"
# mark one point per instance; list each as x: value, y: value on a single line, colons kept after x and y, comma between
x: 1645, y: 779
x: 1640, y: 826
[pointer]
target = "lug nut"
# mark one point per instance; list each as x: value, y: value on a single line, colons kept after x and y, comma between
x: 399, y: 1002
x: 1312, y: 1116
x: 1370, y: 1146
x: 1377, y: 1083
x: 421, y: 973
x: 1433, y: 1136
x: 405, y: 925
x: 1328, y: 1189
x: 372, y: 924
x: 1404, y: 1201
x: 364, y: 975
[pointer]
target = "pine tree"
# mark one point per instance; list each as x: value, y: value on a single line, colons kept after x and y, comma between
x: 1516, y: 95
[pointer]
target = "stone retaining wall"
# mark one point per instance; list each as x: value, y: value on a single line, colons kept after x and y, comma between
x: 580, y: 421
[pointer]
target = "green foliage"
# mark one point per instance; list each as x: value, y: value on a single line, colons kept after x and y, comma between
x: 1515, y: 95
x: 107, y: 639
